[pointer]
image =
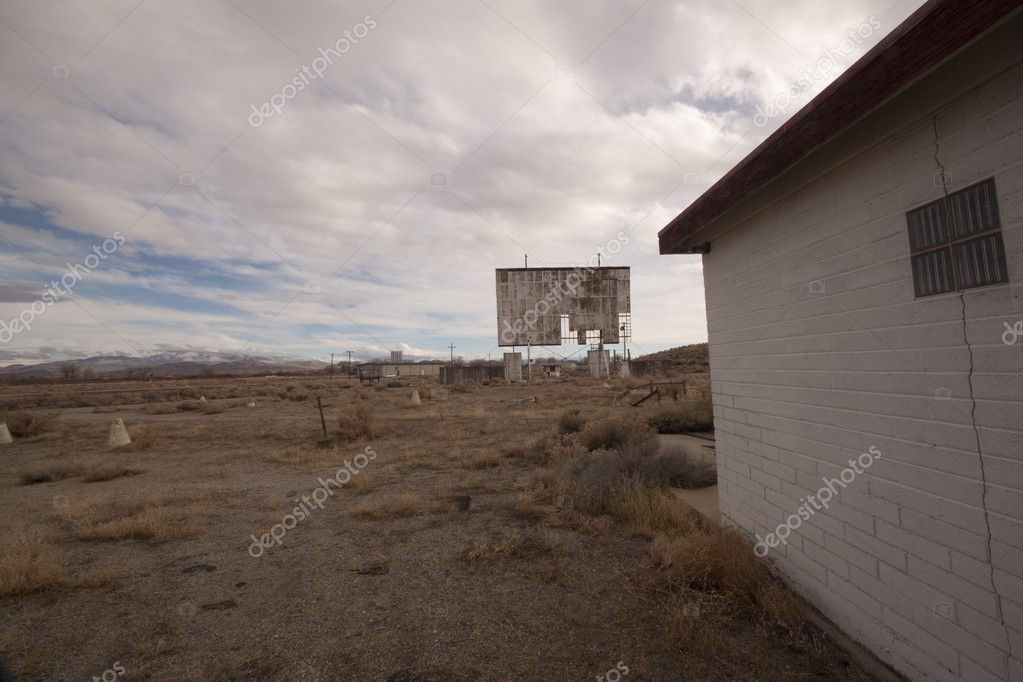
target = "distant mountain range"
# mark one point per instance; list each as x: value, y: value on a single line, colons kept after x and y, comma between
x: 165, y: 364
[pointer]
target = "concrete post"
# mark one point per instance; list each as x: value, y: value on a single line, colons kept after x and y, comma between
x: 118, y: 435
x: 512, y: 367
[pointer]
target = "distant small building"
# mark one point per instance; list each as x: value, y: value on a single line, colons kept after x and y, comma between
x: 392, y: 370
x: 551, y: 370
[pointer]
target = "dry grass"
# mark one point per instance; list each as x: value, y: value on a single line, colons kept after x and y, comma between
x: 570, y: 421
x: 677, y: 466
x: 721, y: 561
x: 147, y: 517
x: 202, y: 406
x: 691, y: 628
x: 684, y: 417
x: 30, y: 564
x: 148, y: 437
x: 510, y: 545
x: 614, y: 432
x: 108, y: 472
x: 356, y: 422
x: 486, y: 460
x: 401, y: 505
x: 33, y: 563
x: 696, y: 615
x: 647, y: 509
x: 47, y: 470
x: 362, y: 483
x: 26, y: 424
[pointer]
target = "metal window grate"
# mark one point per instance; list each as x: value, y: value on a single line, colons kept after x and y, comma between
x: 956, y: 242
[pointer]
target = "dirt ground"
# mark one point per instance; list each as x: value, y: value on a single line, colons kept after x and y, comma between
x: 140, y: 562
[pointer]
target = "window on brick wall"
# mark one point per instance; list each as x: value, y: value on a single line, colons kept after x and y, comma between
x: 956, y: 242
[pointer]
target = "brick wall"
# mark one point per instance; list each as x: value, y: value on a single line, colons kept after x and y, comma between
x: 819, y: 351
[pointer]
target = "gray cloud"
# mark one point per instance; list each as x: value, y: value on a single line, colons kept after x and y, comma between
x: 555, y: 126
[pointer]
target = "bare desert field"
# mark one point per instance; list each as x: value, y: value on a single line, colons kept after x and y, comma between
x: 496, y: 532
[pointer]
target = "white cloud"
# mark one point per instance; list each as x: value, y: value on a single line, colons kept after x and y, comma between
x: 658, y: 106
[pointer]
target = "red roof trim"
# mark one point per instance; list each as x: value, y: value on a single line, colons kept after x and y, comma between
x: 915, y: 47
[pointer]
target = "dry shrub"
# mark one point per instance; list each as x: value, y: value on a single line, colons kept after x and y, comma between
x: 48, y: 470
x: 31, y: 562
x: 401, y: 505
x: 510, y: 545
x: 356, y: 422
x: 25, y: 423
x: 647, y: 508
x: 362, y: 483
x: 676, y: 466
x: 108, y: 472
x: 146, y: 517
x: 535, y: 452
x: 684, y: 417
x: 461, y: 388
x: 720, y: 560
x: 570, y: 421
x: 425, y: 393
x: 614, y: 432
x: 690, y: 628
x: 146, y: 438
x: 189, y: 406
x: 155, y: 526
x: 547, y: 485
x: 597, y: 526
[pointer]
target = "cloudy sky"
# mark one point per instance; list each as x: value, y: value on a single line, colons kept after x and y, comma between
x: 306, y: 177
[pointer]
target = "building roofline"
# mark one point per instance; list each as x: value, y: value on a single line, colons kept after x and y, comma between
x: 929, y: 37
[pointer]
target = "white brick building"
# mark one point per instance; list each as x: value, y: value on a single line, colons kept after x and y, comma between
x: 857, y: 298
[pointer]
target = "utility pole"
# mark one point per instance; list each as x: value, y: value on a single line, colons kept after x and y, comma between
x: 451, y: 346
x: 331, y: 370
x: 529, y: 362
x: 349, y: 365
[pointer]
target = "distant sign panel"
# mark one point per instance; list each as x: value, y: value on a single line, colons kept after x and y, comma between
x: 531, y: 303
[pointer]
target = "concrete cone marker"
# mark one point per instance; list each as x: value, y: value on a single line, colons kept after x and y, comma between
x: 415, y: 398
x: 118, y: 435
x: 202, y: 399
x: 5, y: 434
